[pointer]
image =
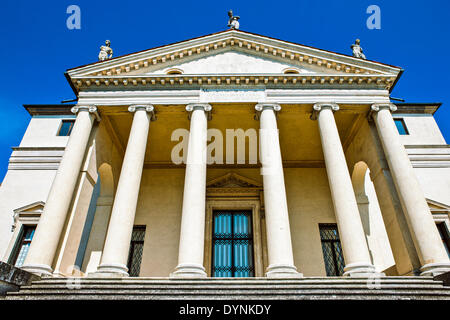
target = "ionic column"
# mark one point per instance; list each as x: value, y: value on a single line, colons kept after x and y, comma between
x: 279, y: 245
x: 45, y: 242
x: 431, y: 252
x: 351, y: 232
x: 192, y: 234
x: 117, y: 243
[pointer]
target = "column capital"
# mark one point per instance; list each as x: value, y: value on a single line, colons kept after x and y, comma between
x: 205, y: 106
x: 90, y: 109
x: 380, y: 106
x: 261, y: 106
x: 322, y: 106
x: 147, y: 107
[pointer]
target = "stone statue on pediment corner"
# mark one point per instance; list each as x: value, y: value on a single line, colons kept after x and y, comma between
x: 105, y: 51
x: 357, y: 50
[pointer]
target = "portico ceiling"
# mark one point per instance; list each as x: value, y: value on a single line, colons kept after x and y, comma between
x: 299, y: 135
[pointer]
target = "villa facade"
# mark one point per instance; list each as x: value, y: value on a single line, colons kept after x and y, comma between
x: 229, y: 155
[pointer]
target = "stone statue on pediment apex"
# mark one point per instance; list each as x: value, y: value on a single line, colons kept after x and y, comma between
x: 233, y: 22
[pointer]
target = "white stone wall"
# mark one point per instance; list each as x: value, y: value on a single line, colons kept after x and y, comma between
x: 31, y: 171
x: 422, y: 130
x: 429, y: 155
x: 43, y: 132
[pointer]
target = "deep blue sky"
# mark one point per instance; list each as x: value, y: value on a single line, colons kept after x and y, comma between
x: 37, y: 47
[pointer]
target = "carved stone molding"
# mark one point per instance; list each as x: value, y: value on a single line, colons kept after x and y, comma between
x: 321, y: 106
x: 233, y: 184
x: 90, y: 109
x: 233, y: 180
x: 147, y: 107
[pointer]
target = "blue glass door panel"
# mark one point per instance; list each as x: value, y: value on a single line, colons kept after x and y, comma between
x: 232, y: 244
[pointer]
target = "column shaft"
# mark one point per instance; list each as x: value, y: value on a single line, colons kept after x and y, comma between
x: 45, y: 242
x: 117, y: 243
x: 192, y: 233
x: 279, y: 244
x: 431, y: 252
x: 351, y: 232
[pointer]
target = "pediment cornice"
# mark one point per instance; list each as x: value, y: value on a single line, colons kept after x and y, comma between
x: 333, y: 68
x: 195, y: 80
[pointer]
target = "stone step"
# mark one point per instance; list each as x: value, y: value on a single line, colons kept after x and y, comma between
x: 245, y: 281
x: 222, y: 290
x: 257, y: 288
x: 136, y: 286
x: 184, y: 295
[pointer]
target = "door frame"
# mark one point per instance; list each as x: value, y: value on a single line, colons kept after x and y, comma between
x: 235, y: 204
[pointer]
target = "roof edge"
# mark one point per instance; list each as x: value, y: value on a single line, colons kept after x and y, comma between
x: 49, y: 109
x: 417, y: 108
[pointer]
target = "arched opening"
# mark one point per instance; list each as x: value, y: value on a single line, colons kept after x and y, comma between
x: 174, y: 71
x: 371, y: 218
x: 106, y: 176
x: 291, y: 70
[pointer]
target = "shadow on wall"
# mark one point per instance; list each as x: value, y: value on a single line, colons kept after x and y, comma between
x: 96, y: 226
x: 371, y: 218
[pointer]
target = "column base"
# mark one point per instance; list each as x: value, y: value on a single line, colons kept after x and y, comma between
x: 361, y: 270
x: 41, y: 270
x: 434, y: 269
x: 110, y: 270
x: 282, y: 271
x: 58, y: 274
x: 189, y: 270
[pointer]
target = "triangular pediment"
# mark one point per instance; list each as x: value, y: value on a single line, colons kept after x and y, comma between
x: 233, y: 180
x: 229, y: 53
x: 438, y: 207
x: 29, y: 212
x: 230, y: 61
x: 35, y: 207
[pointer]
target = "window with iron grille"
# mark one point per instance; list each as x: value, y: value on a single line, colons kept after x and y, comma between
x: 23, y: 245
x: 443, y: 231
x: 66, y: 127
x: 136, y: 249
x: 232, y: 244
x: 331, y: 248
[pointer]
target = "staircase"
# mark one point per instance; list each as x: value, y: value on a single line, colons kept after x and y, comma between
x: 314, y: 288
